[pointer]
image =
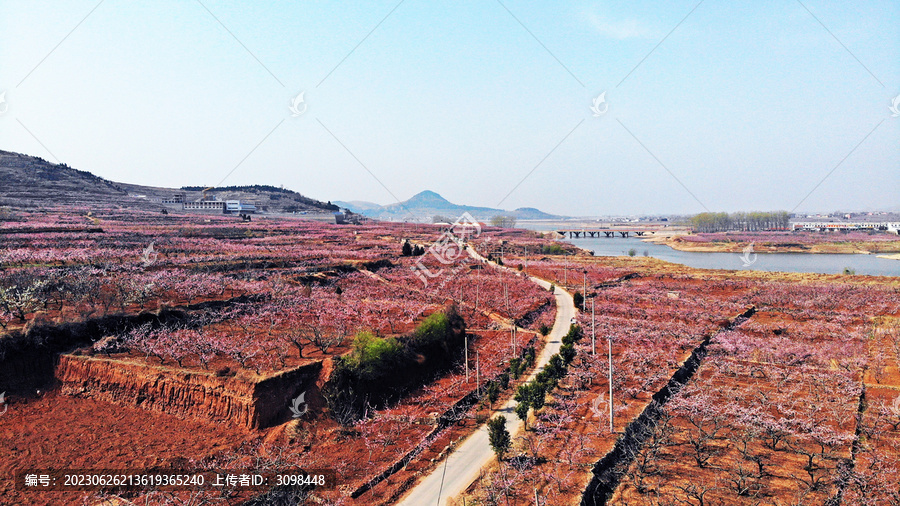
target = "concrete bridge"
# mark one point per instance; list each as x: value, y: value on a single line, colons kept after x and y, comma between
x: 608, y: 232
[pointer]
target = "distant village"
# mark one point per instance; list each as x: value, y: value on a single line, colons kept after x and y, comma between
x: 210, y: 202
x: 881, y: 221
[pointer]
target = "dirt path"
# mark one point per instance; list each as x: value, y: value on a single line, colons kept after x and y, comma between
x: 464, y: 464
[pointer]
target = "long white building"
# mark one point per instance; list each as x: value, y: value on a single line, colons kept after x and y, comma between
x: 846, y: 225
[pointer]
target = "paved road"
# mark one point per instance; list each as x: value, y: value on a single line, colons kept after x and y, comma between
x: 464, y: 464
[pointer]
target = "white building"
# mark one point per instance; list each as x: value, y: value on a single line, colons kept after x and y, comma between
x: 236, y: 206
x: 846, y: 225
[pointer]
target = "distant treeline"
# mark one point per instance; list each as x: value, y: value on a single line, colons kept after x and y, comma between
x: 247, y: 188
x: 747, y: 222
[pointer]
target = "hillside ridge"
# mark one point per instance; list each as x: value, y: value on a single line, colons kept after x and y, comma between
x: 27, y: 181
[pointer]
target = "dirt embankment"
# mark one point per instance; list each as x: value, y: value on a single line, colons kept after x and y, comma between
x: 760, y: 247
x: 237, y: 399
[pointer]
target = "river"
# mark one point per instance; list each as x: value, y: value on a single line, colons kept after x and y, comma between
x: 824, y: 263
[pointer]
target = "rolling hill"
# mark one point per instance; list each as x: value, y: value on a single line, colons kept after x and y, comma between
x: 427, y: 204
x: 31, y: 181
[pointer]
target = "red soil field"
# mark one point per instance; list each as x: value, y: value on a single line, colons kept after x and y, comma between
x: 231, y: 301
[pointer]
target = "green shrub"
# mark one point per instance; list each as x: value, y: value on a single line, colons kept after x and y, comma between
x: 548, y: 380
x: 515, y: 365
x: 493, y: 393
x: 522, y: 394
x: 503, y: 380
x: 578, y: 299
x: 575, y: 334
x: 380, y: 370
x: 528, y: 358
x: 567, y: 352
x: 555, y: 367
x: 538, y: 392
x: 531, y: 394
x: 499, y: 436
x: 373, y: 355
x: 432, y: 330
x: 522, y: 412
x: 552, y: 249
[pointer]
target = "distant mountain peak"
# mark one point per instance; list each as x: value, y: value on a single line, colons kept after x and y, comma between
x: 428, y: 196
x: 427, y: 204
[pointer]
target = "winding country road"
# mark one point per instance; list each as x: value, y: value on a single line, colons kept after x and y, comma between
x: 463, y: 466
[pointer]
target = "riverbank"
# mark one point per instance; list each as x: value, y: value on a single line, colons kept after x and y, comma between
x: 729, y: 257
x: 885, y: 246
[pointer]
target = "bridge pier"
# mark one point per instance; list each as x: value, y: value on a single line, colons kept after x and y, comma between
x: 607, y: 232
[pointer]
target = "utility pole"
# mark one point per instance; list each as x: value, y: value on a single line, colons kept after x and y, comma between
x: 609, y: 340
x: 467, y: 358
x: 584, y: 285
x: 593, y: 330
x: 478, y: 376
x: 566, y: 269
x: 506, y: 295
x: 477, y: 287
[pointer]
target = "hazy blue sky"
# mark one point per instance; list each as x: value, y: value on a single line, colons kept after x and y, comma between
x: 749, y: 104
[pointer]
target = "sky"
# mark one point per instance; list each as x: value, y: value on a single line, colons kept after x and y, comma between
x: 705, y: 105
